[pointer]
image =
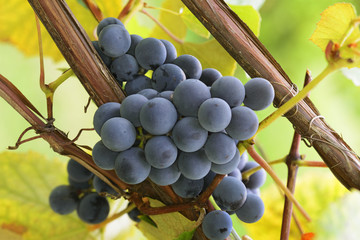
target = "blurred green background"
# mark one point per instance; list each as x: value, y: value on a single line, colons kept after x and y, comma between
x: 286, y: 27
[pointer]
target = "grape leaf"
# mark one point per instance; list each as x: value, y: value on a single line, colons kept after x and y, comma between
x: 169, y: 226
x: 249, y: 15
x: 26, y: 181
x: 193, y: 23
x: 257, y: 4
x: 18, y: 25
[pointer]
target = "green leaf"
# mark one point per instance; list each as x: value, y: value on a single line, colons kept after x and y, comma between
x: 26, y: 181
x: 169, y: 226
x: 249, y: 15
x: 193, y: 24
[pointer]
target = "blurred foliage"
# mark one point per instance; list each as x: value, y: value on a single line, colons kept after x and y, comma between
x: 286, y: 27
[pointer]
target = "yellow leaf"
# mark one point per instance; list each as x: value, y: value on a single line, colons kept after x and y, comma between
x: 249, y: 15
x: 334, y: 24
x: 194, y: 24
x: 18, y: 25
x: 169, y: 226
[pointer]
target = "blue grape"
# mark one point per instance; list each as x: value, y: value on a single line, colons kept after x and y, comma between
x: 160, y: 152
x: 257, y: 179
x: 235, y: 173
x: 131, y: 166
x: 165, y: 176
x: 188, y: 135
x: 158, y: 116
x: 107, y: 21
x: 124, y: 68
x: 149, y: 93
x: 134, y: 214
x: 105, y: 112
x: 252, y: 210
x: 229, y: 89
x: 259, y: 94
x: 244, y: 123
x: 63, y: 200
x: 227, y: 167
x: 139, y: 83
x: 220, y: 148
x: 217, y: 225
x: 103, y: 157
x: 78, y: 172
x: 194, y: 165
x: 243, y: 160
x: 187, y: 188
x: 166, y: 94
x: 93, y: 208
x: 118, y: 134
x: 106, y: 59
x: 171, y: 52
x: 114, y: 40
x: 79, y: 185
x: 130, y: 108
x: 208, y: 179
x: 230, y: 194
x: 102, y: 187
x: 150, y: 53
x: 190, y: 65
x: 135, y: 39
x: 209, y: 76
x: 214, y: 114
x: 167, y: 77
x: 189, y: 95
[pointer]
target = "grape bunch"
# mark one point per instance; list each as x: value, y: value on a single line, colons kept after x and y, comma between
x: 84, y: 193
x: 179, y: 124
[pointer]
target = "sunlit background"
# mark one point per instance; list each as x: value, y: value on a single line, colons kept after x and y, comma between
x: 286, y: 27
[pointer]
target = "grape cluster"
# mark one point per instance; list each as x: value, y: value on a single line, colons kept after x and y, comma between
x: 179, y: 124
x: 91, y: 206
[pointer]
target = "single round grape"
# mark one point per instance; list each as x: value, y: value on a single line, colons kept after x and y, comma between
x: 194, y: 165
x: 124, y: 68
x: 78, y: 172
x: 217, y: 225
x: 220, y: 148
x: 103, y: 157
x: 228, y: 167
x: 158, y: 116
x: 257, y: 179
x: 93, y: 209
x: 214, y: 114
x: 131, y: 166
x: 167, y: 77
x: 106, y: 59
x: 244, y: 123
x: 171, y: 52
x: 188, y: 135
x: 259, y: 94
x: 63, y: 200
x: 230, y: 194
x: 114, y: 40
x: 79, y: 185
x: 160, y: 152
x: 118, y: 134
x: 187, y: 188
x: 252, y: 210
x: 209, y: 76
x: 149, y: 93
x: 190, y: 65
x: 102, y: 187
x: 139, y: 83
x: 166, y: 94
x: 189, y: 95
x: 107, y: 21
x: 105, y: 112
x: 135, y: 39
x: 130, y: 108
x: 229, y: 89
x: 165, y: 176
x: 150, y: 53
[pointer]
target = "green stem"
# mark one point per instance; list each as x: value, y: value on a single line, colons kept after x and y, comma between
x: 293, y: 101
x: 248, y: 173
x: 55, y: 84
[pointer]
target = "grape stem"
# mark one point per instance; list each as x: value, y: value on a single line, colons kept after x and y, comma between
x: 271, y: 172
x: 293, y: 101
x: 246, y: 174
x: 94, y: 9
